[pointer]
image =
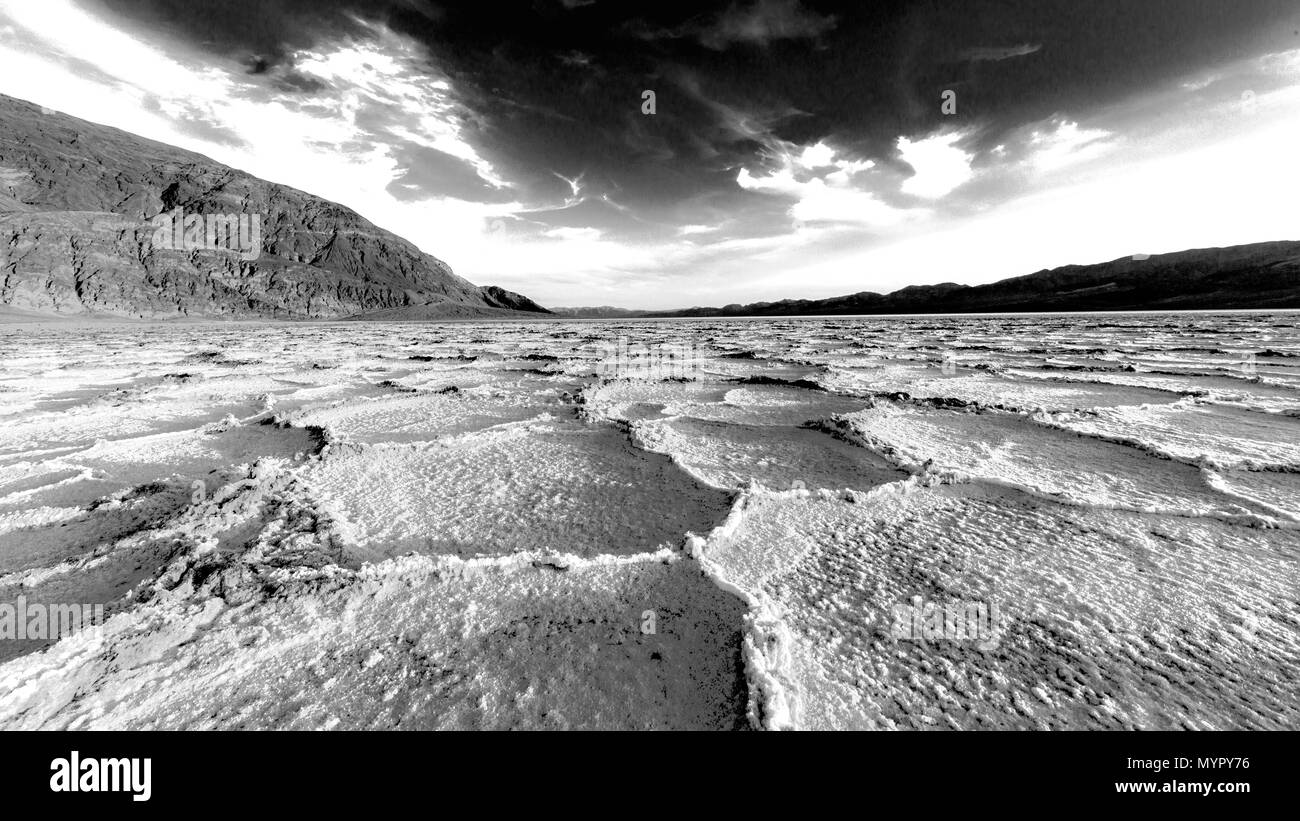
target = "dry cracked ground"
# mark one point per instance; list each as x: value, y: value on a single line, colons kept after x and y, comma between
x: 708, y: 525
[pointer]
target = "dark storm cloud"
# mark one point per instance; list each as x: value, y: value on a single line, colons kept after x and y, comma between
x: 257, y: 34
x: 554, y: 86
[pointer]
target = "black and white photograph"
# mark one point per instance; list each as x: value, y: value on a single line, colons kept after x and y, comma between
x: 737, y: 365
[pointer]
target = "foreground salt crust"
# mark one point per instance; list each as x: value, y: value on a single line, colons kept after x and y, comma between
x: 475, y: 526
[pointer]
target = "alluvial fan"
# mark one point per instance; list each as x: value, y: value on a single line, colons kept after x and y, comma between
x: 1063, y: 521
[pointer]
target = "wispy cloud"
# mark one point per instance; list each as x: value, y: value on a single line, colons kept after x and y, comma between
x: 990, y: 53
x: 757, y: 23
x: 765, y: 21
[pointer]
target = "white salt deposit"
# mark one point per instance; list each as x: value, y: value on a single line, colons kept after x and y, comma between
x: 497, y: 525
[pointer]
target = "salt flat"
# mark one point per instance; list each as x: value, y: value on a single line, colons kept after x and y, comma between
x: 656, y: 524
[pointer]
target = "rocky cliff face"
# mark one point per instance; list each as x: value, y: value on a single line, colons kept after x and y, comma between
x: 502, y: 298
x: 80, y: 210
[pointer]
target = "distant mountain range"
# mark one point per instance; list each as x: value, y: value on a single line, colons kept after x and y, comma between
x: 602, y: 312
x: 78, y: 204
x: 1261, y: 275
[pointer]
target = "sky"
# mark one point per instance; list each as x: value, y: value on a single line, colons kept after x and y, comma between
x: 794, y: 148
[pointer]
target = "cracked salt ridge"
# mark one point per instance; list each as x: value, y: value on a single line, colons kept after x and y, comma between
x: 73, y: 429
x: 776, y: 450
x: 1139, y: 656
x: 517, y: 486
x: 714, y: 654
x: 764, y: 371
x: 1195, y: 432
x: 527, y: 640
x: 165, y: 407
x: 426, y: 417
x: 1252, y: 394
x: 729, y: 455
x: 774, y: 702
x: 766, y: 636
x: 105, y: 551
x: 82, y: 476
x: 997, y: 390
x: 759, y: 404
x: 1278, y: 493
x: 1024, y: 453
x: 625, y: 400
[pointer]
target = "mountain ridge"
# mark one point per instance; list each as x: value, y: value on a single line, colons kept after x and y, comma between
x: 78, y: 205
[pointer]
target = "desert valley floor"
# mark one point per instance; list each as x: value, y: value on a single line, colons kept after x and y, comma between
x: 656, y: 524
